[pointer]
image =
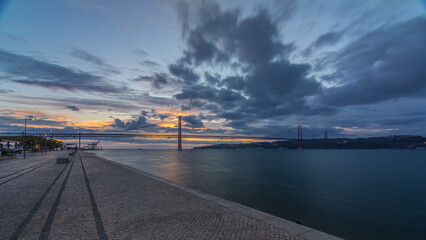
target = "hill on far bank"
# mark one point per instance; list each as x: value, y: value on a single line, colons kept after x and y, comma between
x: 398, y: 142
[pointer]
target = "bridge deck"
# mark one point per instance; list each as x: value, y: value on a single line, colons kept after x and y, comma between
x: 145, y: 135
x: 92, y: 198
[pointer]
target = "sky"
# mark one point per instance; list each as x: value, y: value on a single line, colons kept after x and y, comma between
x: 255, y: 68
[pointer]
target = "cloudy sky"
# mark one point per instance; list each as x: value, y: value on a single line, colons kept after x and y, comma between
x: 357, y: 68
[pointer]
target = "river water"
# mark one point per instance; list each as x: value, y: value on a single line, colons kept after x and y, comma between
x: 353, y: 194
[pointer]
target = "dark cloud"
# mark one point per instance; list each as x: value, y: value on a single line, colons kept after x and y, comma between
x: 140, y: 123
x: 73, y: 108
x: 207, y: 117
x: 324, y: 40
x: 240, y: 125
x: 257, y: 39
x: 153, y: 114
x: 106, y: 104
x: 280, y: 82
x: 148, y: 63
x: 271, y: 86
x: 194, y: 103
x: 83, y: 55
x: 385, y: 64
x: 254, y: 40
x: 202, y: 51
x: 196, y: 92
x: 29, y: 71
x: 199, y: 96
x: 212, y: 80
x: 400, y: 120
x: 158, y: 80
x: 140, y: 52
x: 144, y: 79
x: 163, y: 116
x: 266, y: 87
x: 185, y: 108
x: 182, y: 9
x: 231, y: 115
x: 192, y: 121
x: 148, y: 99
x: 5, y: 91
x: 88, y: 57
x: 226, y: 96
x: 184, y: 73
x: 327, y: 38
x: 234, y: 82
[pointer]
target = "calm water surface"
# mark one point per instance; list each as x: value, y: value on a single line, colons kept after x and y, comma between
x: 354, y: 194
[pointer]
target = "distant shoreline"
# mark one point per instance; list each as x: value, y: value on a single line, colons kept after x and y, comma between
x: 391, y: 142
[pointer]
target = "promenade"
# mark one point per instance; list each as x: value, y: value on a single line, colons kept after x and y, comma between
x: 93, y: 198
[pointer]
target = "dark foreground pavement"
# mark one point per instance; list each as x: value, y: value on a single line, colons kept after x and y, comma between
x: 93, y: 198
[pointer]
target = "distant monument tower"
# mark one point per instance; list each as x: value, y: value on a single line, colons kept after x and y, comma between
x: 325, y: 133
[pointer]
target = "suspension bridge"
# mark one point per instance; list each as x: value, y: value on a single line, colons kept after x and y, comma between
x: 179, y: 136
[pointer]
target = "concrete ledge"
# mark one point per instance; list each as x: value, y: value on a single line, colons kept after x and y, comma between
x: 254, y: 213
x: 288, y: 226
x: 297, y: 230
x: 317, y: 235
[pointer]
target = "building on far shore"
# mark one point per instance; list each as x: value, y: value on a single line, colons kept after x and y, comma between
x: 421, y: 146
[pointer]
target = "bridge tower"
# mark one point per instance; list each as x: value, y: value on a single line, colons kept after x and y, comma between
x: 180, y: 134
x: 325, y: 133
x: 299, y: 137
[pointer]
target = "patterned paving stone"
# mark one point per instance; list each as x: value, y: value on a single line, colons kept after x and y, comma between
x: 136, y: 206
x: 74, y: 217
x: 23, y: 199
x: 91, y: 198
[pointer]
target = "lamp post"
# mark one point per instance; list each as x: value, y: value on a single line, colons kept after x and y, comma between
x: 25, y: 133
x: 45, y: 145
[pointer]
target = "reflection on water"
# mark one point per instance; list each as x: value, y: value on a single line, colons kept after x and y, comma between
x: 355, y: 194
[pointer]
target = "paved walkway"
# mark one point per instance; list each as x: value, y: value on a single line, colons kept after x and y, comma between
x: 93, y: 198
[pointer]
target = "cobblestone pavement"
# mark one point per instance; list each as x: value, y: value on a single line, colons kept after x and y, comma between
x: 10, y: 166
x: 91, y: 198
